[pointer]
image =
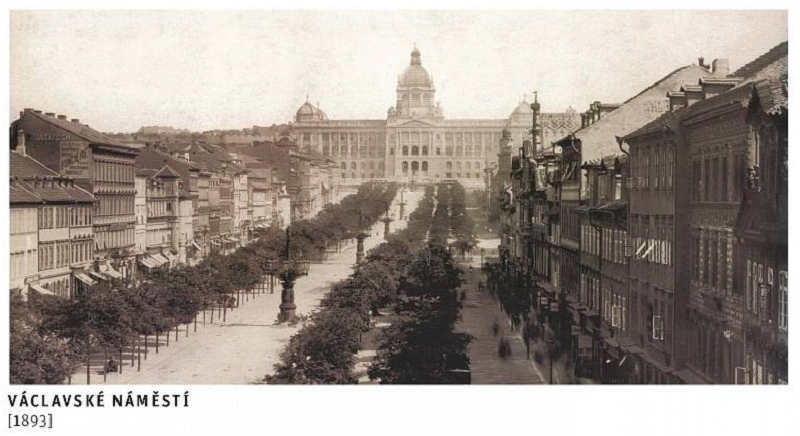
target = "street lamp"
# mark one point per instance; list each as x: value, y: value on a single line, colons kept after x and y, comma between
x: 550, y: 351
x: 288, y: 270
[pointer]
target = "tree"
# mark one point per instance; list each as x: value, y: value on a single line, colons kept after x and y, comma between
x: 420, y: 347
x: 36, y: 356
x: 322, y: 352
x: 100, y: 315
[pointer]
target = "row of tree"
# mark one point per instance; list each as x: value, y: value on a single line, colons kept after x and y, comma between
x: 50, y: 336
x: 323, y: 351
x: 421, y: 345
x: 414, y: 273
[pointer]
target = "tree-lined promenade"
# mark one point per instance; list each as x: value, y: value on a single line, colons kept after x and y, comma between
x: 414, y: 275
x: 51, y: 338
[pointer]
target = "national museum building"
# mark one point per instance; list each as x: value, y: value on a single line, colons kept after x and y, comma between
x: 415, y: 141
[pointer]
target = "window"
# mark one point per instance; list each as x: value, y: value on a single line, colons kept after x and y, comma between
x: 783, y: 301
x: 658, y: 328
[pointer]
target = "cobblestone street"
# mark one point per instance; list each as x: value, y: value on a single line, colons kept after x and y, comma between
x: 478, y: 313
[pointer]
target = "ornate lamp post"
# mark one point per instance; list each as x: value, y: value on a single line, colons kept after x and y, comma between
x: 402, y: 205
x: 386, y: 220
x: 360, y: 238
x: 288, y: 270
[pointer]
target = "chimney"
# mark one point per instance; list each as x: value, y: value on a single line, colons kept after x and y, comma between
x: 701, y: 62
x: 37, y: 111
x: 720, y: 67
x: 677, y: 100
x: 21, y: 142
x: 75, y: 120
x: 50, y: 114
x: 62, y: 117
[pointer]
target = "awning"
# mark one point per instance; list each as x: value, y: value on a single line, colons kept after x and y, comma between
x: 42, y: 290
x: 146, y: 261
x: 160, y: 258
x: 108, y: 270
x: 194, y: 244
x: 170, y: 256
x: 85, y: 279
x: 98, y: 276
x: 156, y: 262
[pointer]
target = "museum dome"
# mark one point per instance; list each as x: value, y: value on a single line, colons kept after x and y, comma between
x: 415, y: 75
x: 309, y: 112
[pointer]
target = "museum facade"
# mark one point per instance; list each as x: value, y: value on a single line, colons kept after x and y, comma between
x: 415, y: 142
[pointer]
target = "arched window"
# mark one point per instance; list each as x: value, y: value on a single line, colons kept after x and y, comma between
x: 424, y: 150
x: 415, y: 151
x: 449, y: 165
x: 344, y: 166
x: 371, y: 165
x: 363, y: 165
x: 405, y: 150
x: 344, y: 150
x: 415, y: 166
x: 424, y: 166
x: 469, y: 166
x: 352, y: 165
x: 477, y: 165
x: 468, y: 151
x: 405, y: 166
x: 458, y: 165
x: 335, y: 150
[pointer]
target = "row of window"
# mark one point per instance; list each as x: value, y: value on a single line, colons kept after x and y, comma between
x: 110, y: 239
x: 335, y: 151
x: 354, y: 165
x: 23, y: 220
x: 653, y: 167
x: 709, y: 259
x: 718, y: 178
x: 54, y: 254
x: 114, y: 205
x: 652, y: 237
x: 760, y: 283
x: 24, y: 263
x: 114, y: 172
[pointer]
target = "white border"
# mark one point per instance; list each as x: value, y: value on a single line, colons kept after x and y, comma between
x: 500, y: 410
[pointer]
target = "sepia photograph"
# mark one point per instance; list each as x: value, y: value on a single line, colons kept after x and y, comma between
x: 395, y: 197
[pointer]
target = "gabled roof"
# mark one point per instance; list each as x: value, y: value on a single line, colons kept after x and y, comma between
x: 77, y: 129
x: 166, y: 171
x: 24, y: 166
x: 19, y: 193
x: 779, y: 51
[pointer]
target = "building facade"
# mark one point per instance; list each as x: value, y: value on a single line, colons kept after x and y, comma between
x: 415, y: 142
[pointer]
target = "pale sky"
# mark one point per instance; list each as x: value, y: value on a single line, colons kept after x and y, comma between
x: 119, y: 70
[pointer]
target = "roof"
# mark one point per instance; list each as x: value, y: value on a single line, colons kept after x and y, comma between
x: 25, y: 166
x: 661, y: 124
x: 78, y: 129
x: 773, y: 95
x: 18, y: 193
x: 151, y: 161
x: 779, y: 51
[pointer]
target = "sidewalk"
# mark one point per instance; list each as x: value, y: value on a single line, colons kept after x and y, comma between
x: 478, y: 313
